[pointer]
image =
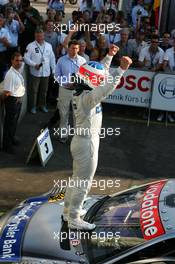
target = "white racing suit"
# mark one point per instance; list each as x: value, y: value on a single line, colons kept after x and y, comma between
x: 85, y: 143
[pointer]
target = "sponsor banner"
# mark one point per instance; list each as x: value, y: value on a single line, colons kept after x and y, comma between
x: 134, y: 89
x: 163, y: 95
x: 150, y: 220
x: 12, y: 235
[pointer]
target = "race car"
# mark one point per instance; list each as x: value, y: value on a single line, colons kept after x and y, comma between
x: 135, y: 226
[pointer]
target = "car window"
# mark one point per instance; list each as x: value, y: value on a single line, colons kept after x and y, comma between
x: 130, y: 219
x: 118, y: 226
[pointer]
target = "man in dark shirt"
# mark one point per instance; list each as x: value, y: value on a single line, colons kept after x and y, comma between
x: 31, y: 19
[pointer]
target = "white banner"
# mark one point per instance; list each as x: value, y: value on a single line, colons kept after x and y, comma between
x: 134, y: 89
x: 163, y: 95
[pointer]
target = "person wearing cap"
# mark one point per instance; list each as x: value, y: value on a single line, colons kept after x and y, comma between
x: 14, y: 26
x: 5, y: 42
x: 40, y: 57
x: 13, y: 92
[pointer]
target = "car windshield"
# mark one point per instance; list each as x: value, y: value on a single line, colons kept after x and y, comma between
x: 117, y: 226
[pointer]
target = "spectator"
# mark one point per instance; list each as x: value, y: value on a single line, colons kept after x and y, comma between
x: 97, y: 7
x: 111, y: 5
x: 82, y: 50
x: 120, y: 19
x: 145, y: 25
x: 31, y: 19
x: 3, y: 4
x: 125, y: 48
x: 137, y: 45
x: 13, y: 92
x: 151, y: 57
x: 13, y: 5
x: 14, y: 26
x: 40, y: 57
x: 75, y: 17
x: 66, y: 66
x: 58, y: 17
x: 5, y: 42
x: 60, y: 47
x: 57, y: 5
x: 112, y: 14
x: 86, y: 5
x: 138, y: 11
x: 112, y: 36
x: 165, y: 41
x: 169, y: 58
x: 87, y: 16
x: 51, y: 36
x: 50, y: 14
x: 100, y: 50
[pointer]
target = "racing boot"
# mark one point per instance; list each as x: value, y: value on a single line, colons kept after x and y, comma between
x: 80, y: 224
x: 65, y: 215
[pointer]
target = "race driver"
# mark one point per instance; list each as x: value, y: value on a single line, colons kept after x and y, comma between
x: 92, y: 86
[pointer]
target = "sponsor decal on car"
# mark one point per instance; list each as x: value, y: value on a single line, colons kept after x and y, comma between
x: 13, y: 232
x: 150, y: 220
x: 56, y: 198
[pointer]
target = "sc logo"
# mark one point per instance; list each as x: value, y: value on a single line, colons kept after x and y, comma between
x: 167, y: 88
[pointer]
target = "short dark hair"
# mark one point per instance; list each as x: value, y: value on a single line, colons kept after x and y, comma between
x: 73, y: 42
x: 75, y: 13
x: 155, y: 36
x: 25, y: 3
x: 16, y: 54
x: 48, y: 20
x: 166, y: 32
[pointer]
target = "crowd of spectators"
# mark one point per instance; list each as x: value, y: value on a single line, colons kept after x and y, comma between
x: 96, y: 24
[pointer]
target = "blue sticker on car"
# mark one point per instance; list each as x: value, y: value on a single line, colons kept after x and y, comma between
x: 12, y: 236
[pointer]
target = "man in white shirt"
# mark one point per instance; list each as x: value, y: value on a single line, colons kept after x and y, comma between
x: 138, y: 11
x: 40, y: 57
x: 151, y: 57
x: 169, y: 58
x: 13, y: 92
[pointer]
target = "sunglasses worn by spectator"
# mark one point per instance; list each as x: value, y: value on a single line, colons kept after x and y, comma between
x: 19, y: 60
x: 155, y: 42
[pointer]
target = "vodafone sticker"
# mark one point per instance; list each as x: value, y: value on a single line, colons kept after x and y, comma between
x: 150, y: 221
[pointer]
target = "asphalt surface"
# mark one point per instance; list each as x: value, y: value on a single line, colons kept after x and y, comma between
x: 138, y: 155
